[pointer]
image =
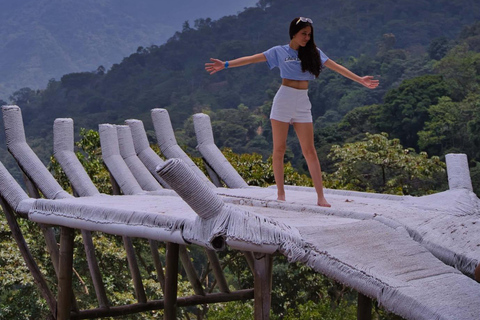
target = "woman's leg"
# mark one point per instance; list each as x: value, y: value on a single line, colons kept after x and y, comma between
x: 279, y: 133
x: 305, y: 136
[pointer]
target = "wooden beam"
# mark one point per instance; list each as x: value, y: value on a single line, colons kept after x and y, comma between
x: 48, y: 232
x: 190, y: 271
x: 65, y: 273
x: 52, y: 248
x: 158, y: 263
x: 132, y: 260
x: 364, y: 308
x: 134, y: 270
x: 217, y: 271
x: 171, y: 285
x: 263, y: 285
x: 94, y: 269
x: 250, y: 260
x: 239, y: 295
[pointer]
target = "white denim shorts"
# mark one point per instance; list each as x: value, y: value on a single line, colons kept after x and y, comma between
x: 291, y: 105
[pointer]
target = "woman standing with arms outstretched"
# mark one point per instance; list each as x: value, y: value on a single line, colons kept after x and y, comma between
x: 299, y: 62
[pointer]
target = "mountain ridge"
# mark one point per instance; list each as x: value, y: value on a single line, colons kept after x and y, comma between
x: 45, y: 39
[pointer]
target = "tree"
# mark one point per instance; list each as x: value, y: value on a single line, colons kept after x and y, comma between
x: 406, y: 108
x: 446, y: 129
x: 382, y: 165
x: 438, y: 48
x: 461, y: 70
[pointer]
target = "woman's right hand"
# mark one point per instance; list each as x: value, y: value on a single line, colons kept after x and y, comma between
x: 214, y: 66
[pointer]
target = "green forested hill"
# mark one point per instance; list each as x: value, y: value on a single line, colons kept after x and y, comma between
x: 44, y: 39
x: 394, y: 40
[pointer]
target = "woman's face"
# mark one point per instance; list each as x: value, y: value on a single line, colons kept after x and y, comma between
x: 303, y: 36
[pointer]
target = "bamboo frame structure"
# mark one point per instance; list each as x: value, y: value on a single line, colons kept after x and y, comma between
x: 64, y: 306
x: 398, y: 274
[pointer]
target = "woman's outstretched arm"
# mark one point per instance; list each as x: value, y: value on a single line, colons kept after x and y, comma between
x: 217, y: 65
x: 366, y: 81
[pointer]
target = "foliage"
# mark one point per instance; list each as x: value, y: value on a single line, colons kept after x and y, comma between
x: 406, y: 108
x: 383, y: 165
x: 428, y: 99
x: 461, y: 70
x: 257, y: 172
x: 19, y: 298
x: 453, y: 126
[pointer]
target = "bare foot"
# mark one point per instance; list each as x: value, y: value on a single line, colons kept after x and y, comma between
x: 323, y: 203
x: 281, y: 197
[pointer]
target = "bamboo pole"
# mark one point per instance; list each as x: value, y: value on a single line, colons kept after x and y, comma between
x: 190, y: 271
x: 217, y: 271
x: 250, y: 260
x: 364, y: 308
x: 48, y: 232
x: 132, y: 260
x: 171, y: 284
x: 134, y: 270
x: 263, y: 285
x: 94, y: 269
x: 52, y: 247
x: 65, y: 273
x: 239, y: 295
x: 158, y: 263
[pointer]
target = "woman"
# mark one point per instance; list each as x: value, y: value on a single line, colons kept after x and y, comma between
x: 299, y: 62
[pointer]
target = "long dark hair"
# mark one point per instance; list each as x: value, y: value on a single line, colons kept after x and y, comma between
x: 308, y: 55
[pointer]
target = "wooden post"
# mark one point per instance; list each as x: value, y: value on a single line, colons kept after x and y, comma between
x: 134, y: 270
x: 190, y: 271
x: 217, y: 271
x: 52, y: 248
x: 250, y: 260
x: 132, y: 260
x: 65, y: 274
x: 94, y: 269
x: 170, y: 300
x: 158, y: 263
x: 364, y: 308
x: 48, y: 232
x: 263, y: 285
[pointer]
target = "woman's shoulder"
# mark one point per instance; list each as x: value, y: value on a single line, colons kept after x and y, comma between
x: 280, y: 47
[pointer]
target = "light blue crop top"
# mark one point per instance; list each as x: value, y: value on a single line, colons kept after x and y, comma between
x: 286, y: 59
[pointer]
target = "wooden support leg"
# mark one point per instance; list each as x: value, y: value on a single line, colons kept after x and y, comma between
x: 217, y: 271
x: 94, y: 269
x: 170, y: 311
x: 134, y: 270
x: 250, y: 260
x: 47, y: 231
x: 263, y: 285
x: 65, y: 274
x: 158, y: 263
x: 364, y: 308
x: 190, y: 271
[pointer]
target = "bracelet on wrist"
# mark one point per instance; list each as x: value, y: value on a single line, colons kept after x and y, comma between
x: 226, y: 64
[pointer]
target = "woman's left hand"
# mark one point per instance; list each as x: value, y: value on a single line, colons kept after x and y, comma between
x: 369, y: 82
